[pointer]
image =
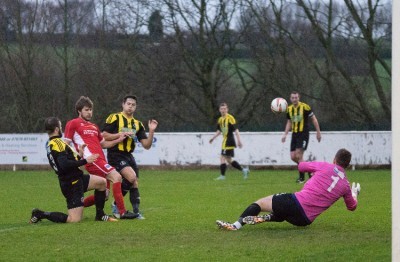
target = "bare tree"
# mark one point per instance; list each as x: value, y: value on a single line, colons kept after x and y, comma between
x: 365, y: 18
x: 22, y: 66
x: 203, y: 35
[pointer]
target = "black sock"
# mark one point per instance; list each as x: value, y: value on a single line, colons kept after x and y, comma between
x: 236, y: 165
x: 56, y: 217
x: 252, y: 210
x: 100, y: 199
x: 134, y: 197
x: 125, y: 186
x: 301, y: 175
x: 222, y: 167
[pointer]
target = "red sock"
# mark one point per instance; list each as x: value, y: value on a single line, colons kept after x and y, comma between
x: 119, y: 198
x: 88, y: 201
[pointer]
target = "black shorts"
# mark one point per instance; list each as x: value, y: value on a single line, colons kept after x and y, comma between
x: 299, y: 140
x: 73, y: 191
x: 122, y: 160
x: 286, y: 207
x: 228, y: 152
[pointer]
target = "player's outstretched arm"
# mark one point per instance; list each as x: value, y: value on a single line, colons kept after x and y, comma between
x: 350, y: 198
x: 148, y: 142
x: 355, y: 190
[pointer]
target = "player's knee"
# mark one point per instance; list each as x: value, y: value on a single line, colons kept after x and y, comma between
x: 132, y: 179
x: 102, y: 184
x: 114, y: 176
x: 126, y: 185
x: 73, y: 219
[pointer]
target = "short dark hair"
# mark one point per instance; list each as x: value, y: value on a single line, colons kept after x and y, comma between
x: 82, y: 102
x: 51, y: 123
x: 223, y: 104
x: 295, y: 93
x: 343, y: 158
x: 129, y: 96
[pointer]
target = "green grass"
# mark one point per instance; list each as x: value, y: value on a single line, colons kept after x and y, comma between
x: 181, y: 208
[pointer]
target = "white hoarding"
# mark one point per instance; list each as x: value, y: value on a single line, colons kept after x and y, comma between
x: 259, y: 148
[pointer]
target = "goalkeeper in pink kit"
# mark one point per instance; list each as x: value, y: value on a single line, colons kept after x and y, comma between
x: 327, y: 185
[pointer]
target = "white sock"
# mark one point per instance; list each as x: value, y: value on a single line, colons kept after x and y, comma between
x: 237, y: 225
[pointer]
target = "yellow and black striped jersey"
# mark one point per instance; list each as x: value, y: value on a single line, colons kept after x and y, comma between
x: 299, y: 117
x: 63, y: 159
x: 116, y: 123
x: 227, y: 125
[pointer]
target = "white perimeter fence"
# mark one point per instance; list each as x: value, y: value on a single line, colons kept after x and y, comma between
x: 193, y: 149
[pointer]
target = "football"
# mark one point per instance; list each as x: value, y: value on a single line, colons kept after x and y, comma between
x: 279, y: 105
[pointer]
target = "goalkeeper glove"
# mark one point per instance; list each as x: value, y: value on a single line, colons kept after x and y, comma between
x: 355, y: 189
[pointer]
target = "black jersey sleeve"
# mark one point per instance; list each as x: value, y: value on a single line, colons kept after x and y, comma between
x: 141, y: 133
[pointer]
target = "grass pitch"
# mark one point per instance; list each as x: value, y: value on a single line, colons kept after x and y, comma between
x: 181, y: 208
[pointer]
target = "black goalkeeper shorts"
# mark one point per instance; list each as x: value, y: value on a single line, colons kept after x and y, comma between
x: 286, y: 207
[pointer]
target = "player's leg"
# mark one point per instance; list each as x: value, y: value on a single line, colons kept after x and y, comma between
x: 299, y: 152
x: 57, y: 217
x: 74, y: 196
x: 130, y: 184
x: 96, y: 170
x: 73, y: 193
x: 278, y: 205
x: 116, y: 180
x: 264, y: 204
x: 99, y: 185
x: 296, y: 146
x: 251, y: 214
x: 222, y: 166
x: 75, y: 214
x: 134, y: 191
x: 229, y: 158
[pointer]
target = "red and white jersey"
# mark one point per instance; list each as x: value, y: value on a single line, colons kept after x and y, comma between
x: 80, y: 131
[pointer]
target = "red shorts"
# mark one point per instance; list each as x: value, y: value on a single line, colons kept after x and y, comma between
x: 100, y: 167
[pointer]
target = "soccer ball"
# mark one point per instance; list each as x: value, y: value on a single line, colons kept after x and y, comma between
x: 279, y: 105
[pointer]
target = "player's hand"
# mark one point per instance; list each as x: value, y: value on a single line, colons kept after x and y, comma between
x: 127, y: 134
x: 90, y: 159
x: 152, y: 125
x: 240, y: 145
x: 211, y: 140
x: 121, y: 137
x: 319, y: 136
x: 355, y: 189
x: 283, y: 139
x: 81, y: 149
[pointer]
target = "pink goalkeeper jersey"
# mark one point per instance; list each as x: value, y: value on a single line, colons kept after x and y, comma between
x: 80, y: 132
x: 324, y: 188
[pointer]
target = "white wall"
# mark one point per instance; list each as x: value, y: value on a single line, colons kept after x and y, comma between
x: 260, y: 148
x: 266, y: 148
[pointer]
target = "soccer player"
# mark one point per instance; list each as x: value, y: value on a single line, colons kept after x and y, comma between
x: 81, y: 131
x: 227, y: 126
x: 327, y: 184
x: 298, y: 114
x: 120, y: 156
x: 73, y: 183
